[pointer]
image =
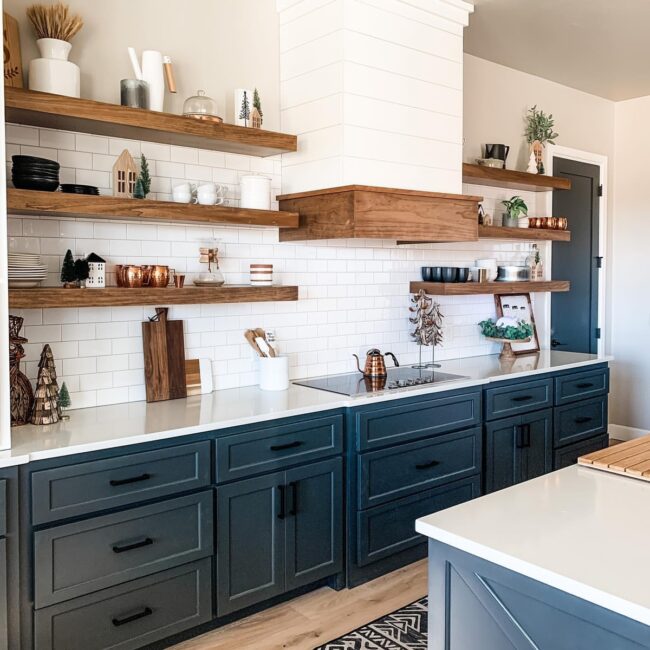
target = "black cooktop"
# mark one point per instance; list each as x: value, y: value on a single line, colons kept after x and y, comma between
x: 355, y: 384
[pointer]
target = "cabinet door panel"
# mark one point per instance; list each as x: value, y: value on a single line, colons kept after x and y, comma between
x: 502, y: 455
x: 4, y: 604
x: 314, y: 527
x: 250, y: 542
x: 580, y: 420
x: 518, y: 399
x: 566, y: 456
x: 537, y: 455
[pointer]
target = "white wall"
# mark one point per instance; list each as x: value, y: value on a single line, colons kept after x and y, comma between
x: 629, y: 403
x: 216, y: 45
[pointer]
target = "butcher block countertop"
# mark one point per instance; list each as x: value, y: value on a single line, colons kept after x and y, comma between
x: 630, y: 458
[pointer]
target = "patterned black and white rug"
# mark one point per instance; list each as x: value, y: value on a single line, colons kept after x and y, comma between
x: 405, y: 629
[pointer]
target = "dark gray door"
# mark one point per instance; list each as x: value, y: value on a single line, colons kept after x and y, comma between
x: 314, y: 525
x: 574, y: 315
x: 250, y: 542
x: 503, y: 454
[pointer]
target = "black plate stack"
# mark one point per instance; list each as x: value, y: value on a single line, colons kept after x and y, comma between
x: 72, y: 188
x: 31, y: 173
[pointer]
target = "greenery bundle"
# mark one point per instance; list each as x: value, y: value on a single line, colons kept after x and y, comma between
x: 257, y: 103
x: 522, y: 331
x: 539, y: 126
x: 54, y: 21
x: 145, y: 175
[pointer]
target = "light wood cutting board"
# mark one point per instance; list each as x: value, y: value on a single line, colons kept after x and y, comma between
x: 629, y: 458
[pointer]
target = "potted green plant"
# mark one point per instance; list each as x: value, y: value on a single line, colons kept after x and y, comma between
x: 539, y: 131
x: 515, y: 208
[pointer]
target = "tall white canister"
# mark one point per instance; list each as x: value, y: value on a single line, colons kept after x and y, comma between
x: 255, y: 192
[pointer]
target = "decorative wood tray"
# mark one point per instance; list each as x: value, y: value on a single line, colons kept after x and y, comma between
x: 629, y: 458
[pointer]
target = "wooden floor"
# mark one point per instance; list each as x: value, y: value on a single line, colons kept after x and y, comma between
x: 309, y: 621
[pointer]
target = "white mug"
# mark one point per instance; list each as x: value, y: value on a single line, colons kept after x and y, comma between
x: 210, y: 194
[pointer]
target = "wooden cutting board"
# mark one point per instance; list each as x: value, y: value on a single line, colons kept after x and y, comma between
x: 164, y: 358
x: 12, y: 58
x: 629, y: 458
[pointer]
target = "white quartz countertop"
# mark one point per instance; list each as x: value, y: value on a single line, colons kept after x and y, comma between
x: 580, y: 530
x: 105, y: 427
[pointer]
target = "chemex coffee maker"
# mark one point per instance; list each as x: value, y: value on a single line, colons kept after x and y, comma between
x: 499, y: 151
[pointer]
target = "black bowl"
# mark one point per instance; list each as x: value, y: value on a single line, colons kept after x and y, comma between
x: 33, y: 160
x: 25, y: 183
x: 43, y: 175
x: 426, y: 273
x: 449, y: 273
x: 462, y: 275
x: 436, y: 274
x: 27, y: 170
x: 71, y: 188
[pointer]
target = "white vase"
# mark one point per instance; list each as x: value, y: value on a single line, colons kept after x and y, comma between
x: 53, y: 73
x: 152, y: 72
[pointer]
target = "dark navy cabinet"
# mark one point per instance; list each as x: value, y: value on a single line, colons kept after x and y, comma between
x: 407, y: 458
x: 129, y: 547
x: 278, y: 532
x: 518, y: 449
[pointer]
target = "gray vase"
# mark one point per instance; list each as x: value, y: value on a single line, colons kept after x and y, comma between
x: 510, y: 222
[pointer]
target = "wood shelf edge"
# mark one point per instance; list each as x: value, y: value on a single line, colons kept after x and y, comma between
x: 489, y: 288
x: 479, y: 175
x: 530, y: 234
x: 57, y: 297
x: 31, y: 202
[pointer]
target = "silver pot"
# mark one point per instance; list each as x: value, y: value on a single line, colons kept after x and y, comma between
x: 513, y: 273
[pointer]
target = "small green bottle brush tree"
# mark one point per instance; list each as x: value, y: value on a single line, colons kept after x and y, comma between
x: 73, y: 272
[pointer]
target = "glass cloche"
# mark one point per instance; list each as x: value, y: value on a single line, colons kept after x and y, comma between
x: 201, y: 107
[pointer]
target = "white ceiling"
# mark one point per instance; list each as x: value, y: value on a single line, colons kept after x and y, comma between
x: 599, y: 46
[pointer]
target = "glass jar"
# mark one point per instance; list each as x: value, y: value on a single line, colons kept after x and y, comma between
x: 201, y: 107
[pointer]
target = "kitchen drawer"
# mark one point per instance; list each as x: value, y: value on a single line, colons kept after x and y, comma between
x: 389, y: 474
x: 581, y: 385
x: 272, y: 448
x: 569, y: 455
x: 3, y: 507
x: 515, y: 399
x: 390, y: 528
x: 578, y: 421
x: 401, y: 422
x: 79, y: 558
x: 98, y: 485
x: 132, y: 615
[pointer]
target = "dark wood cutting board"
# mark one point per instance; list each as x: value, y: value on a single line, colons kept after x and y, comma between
x: 164, y: 358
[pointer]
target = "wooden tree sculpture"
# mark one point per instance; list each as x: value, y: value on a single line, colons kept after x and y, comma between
x: 22, y: 397
x: 427, y: 319
x: 46, y: 396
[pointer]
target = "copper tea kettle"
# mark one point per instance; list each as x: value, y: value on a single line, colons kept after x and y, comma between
x: 375, y: 364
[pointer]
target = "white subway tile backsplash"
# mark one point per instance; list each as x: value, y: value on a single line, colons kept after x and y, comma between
x: 27, y: 135
x: 353, y: 294
x: 57, y: 139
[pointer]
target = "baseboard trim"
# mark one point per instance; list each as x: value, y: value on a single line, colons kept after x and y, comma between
x: 621, y: 432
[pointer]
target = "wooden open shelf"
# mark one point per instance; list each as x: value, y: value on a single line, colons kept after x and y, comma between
x: 58, y: 204
x: 48, y: 297
x: 527, y: 234
x: 479, y: 288
x: 513, y: 180
x: 88, y: 116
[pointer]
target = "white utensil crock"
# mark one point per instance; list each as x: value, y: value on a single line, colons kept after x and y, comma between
x: 255, y: 192
x: 274, y: 373
x: 53, y: 73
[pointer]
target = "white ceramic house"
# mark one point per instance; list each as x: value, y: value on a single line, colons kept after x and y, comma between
x: 96, y: 272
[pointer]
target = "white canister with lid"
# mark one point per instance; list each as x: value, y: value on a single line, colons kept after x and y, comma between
x: 255, y: 192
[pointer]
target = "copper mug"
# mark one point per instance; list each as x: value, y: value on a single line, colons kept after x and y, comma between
x: 132, y: 277
x: 118, y: 275
x: 158, y: 276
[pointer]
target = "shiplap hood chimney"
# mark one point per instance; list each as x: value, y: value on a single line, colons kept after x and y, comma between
x: 374, y: 91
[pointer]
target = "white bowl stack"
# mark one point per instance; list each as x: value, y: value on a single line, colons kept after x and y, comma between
x: 26, y: 271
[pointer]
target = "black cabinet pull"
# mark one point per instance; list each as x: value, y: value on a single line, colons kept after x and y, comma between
x: 147, y: 541
x: 519, y: 436
x: 133, y: 479
x: 293, y: 486
x: 431, y: 463
x: 522, y: 398
x: 582, y: 419
x: 288, y: 445
x: 526, y: 429
x: 283, y: 513
x: 147, y: 611
x: 585, y: 385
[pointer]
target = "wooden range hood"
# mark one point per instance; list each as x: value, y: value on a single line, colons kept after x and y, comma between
x: 366, y: 212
